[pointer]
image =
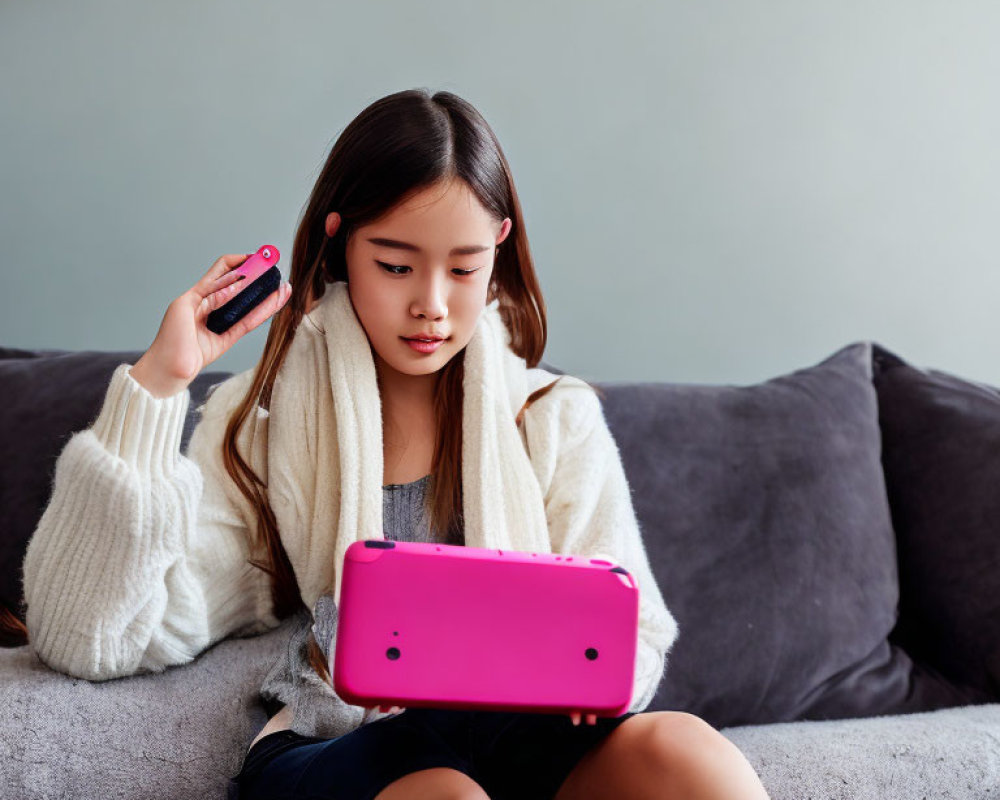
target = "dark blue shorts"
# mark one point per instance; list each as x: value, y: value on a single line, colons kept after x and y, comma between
x: 520, y: 756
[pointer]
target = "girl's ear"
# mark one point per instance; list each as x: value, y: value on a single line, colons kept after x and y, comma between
x: 332, y: 224
x: 505, y: 227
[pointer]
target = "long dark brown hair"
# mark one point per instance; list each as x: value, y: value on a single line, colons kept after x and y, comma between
x: 399, y: 145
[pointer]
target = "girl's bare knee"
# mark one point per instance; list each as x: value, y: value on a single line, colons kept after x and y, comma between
x: 437, y: 783
x: 700, y: 761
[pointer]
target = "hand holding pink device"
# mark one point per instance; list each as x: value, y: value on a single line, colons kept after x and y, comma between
x: 262, y: 278
x: 185, y: 345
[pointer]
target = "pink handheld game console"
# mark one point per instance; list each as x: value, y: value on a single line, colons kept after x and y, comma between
x: 445, y: 626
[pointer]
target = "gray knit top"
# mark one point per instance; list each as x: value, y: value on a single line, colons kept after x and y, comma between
x: 318, y: 710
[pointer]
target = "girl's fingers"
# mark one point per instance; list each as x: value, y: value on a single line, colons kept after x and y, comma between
x: 226, y: 288
x: 220, y: 268
x: 227, y: 278
x: 591, y: 719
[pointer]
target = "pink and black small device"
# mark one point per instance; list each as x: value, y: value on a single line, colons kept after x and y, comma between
x: 262, y: 278
x: 445, y: 626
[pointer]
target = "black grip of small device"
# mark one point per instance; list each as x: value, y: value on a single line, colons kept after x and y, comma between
x: 224, y: 317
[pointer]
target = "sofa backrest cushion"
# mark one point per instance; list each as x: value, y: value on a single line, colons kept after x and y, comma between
x: 941, y: 456
x: 764, y: 513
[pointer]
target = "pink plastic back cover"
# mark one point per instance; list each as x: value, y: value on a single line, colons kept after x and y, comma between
x: 445, y: 626
x: 267, y: 256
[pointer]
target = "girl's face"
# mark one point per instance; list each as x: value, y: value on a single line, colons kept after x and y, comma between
x: 423, y: 270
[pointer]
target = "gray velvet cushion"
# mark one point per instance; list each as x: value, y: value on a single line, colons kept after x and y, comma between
x: 941, y: 455
x: 764, y: 511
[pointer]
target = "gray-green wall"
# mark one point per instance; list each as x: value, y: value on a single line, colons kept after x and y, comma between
x: 714, y: 191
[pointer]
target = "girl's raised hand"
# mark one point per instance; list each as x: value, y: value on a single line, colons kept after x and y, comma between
x: 184, y: 346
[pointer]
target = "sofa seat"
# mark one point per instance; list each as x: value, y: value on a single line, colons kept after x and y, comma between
x: 948, y: 753
x: 195, y: 721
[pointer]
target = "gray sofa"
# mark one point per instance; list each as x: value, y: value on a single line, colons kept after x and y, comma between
x: 828, y: 540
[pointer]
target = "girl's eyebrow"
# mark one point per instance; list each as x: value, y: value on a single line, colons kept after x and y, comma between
x: 466, y: 250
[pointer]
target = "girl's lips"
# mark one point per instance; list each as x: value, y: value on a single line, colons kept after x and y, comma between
x: 423, y: 347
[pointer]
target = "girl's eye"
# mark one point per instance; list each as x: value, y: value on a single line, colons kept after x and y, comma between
x: 391, y: 268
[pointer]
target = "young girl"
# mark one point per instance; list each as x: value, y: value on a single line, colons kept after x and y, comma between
x: 348, y: 429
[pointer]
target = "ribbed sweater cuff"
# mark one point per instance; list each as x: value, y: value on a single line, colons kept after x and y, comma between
x: 143, y: 430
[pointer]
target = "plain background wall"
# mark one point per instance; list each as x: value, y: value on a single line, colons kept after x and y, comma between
x: 715, y: 192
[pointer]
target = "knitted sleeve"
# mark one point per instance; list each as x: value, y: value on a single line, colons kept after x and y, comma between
x: 139, y: 561
x: 588, y: 507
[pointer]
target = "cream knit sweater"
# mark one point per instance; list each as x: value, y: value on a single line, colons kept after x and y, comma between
x: 139, y: 562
